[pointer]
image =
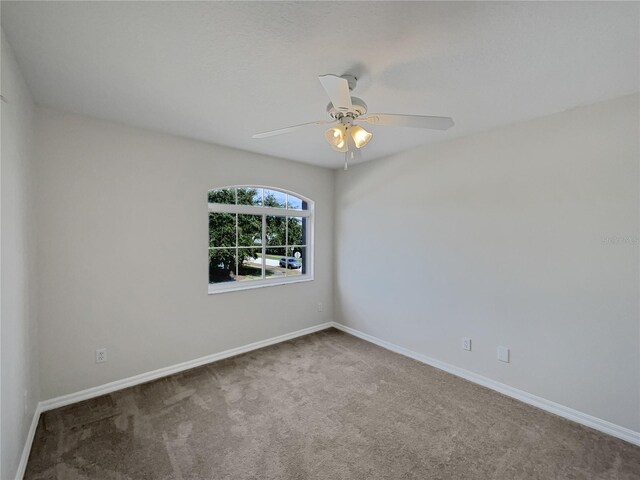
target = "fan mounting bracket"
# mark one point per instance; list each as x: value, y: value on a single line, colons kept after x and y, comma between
x: 351, y: 80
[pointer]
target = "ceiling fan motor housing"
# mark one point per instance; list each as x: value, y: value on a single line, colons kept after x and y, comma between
x: 358, y: 108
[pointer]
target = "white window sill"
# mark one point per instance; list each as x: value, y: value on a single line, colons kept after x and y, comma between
x: 235, y: 286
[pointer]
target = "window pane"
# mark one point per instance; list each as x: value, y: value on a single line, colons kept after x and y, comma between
x: 295, y: 231
x: 237, y: 239
x: 297, y: 260
x: 249, y: 230
x: 222, y: 229
x: 223, y: 195
x: 276, y: 231
x: 257, y: 197
x: 222, y: 265
x: 249, y: 196
x: 274, y: 198
x: 274, y: 262
x: 249, y: 264
x: 294, y: 203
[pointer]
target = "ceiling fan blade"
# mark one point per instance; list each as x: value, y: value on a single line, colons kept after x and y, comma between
x: 338, y: 90
x: 292, y: 128
x: 415, y: 121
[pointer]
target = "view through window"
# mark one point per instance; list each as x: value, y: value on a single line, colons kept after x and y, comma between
x: 257, y: 236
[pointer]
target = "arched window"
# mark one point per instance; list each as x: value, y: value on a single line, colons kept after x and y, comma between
x: 258, y: 236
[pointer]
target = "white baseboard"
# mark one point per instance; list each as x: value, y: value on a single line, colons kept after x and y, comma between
x: 542, y: 403
x: 163, y: 372
x: 146, y: 377
x: 22, y: 466
x: 552, y: 407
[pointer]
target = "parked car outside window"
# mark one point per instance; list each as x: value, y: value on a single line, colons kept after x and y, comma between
x: 290, y: 262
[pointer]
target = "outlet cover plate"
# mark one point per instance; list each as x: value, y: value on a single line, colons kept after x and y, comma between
x: 466, y: 344
x: 101, y: 355
x: 503, y: 354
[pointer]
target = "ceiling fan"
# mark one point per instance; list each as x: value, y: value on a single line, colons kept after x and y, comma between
x: 347, y: 111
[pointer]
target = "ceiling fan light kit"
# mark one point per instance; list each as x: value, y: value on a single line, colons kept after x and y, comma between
x: 338, y: 136
x: 347, y: 137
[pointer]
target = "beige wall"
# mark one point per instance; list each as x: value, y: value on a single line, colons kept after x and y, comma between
x: 19, y: 350
x: 511, y: 237
x: 123, y: 243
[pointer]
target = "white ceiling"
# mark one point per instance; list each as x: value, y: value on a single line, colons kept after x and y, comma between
x: 221, y: 71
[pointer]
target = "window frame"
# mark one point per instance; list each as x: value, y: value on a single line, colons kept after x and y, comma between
x: 264, y: 212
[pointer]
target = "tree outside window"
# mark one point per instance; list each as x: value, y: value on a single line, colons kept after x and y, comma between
x: 257, y: 234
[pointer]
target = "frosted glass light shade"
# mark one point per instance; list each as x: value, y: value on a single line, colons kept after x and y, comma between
x: 360, y: 136
x: 337, y: 138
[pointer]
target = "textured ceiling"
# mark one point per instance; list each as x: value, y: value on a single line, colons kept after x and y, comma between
x: 221, y: 71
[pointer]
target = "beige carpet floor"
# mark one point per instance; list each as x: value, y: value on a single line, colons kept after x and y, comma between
x: 324, y: 406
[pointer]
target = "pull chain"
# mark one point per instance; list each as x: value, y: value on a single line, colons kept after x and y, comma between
x: 348, y: 155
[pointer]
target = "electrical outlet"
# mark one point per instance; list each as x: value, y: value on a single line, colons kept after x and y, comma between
x: 319, y: 306
x: 26, y: 402
x: 466, y: 344
x: 101, y: 355
x: 503, y: 354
